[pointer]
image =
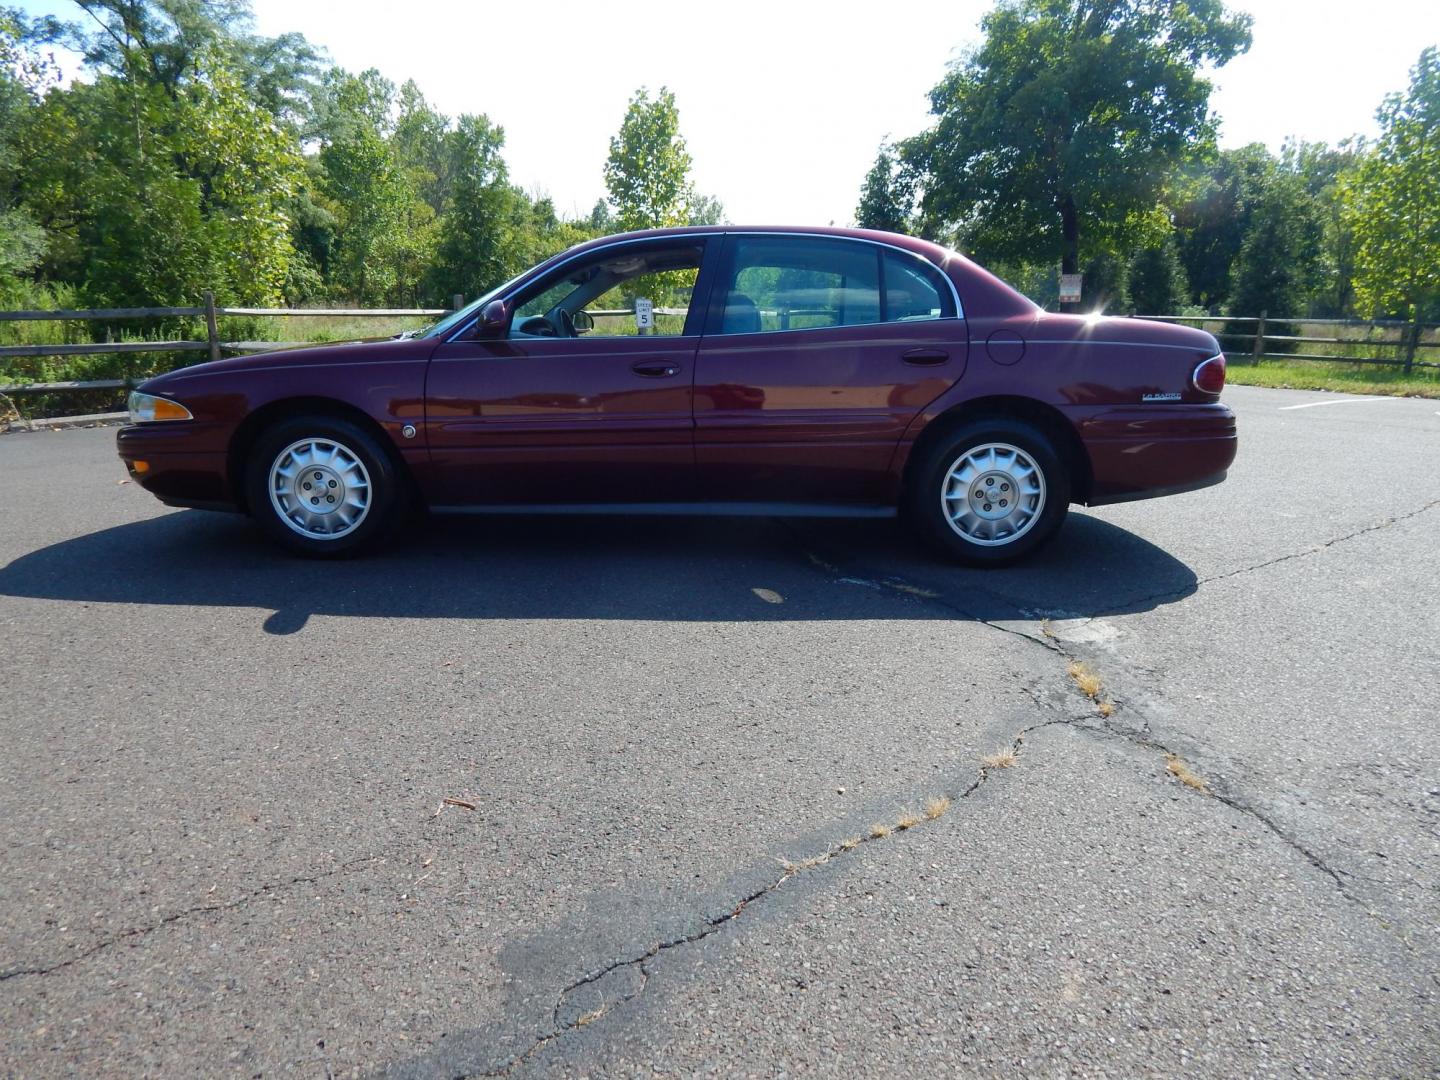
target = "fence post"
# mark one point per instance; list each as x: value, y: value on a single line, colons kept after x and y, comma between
x: 211, y: 333
x: 459, y: 300
x: 1259, y: 337
x: 1412, y: 342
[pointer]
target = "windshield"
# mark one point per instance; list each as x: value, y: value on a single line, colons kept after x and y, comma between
x: 455, y: 318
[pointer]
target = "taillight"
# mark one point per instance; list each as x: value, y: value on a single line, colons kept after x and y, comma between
x: 1209, y: 377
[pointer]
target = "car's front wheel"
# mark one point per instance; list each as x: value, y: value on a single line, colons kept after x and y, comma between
x: 323, y: 486
x: 990, y: 492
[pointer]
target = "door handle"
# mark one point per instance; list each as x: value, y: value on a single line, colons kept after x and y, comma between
x: 655, y: 369
x: 925, y: 357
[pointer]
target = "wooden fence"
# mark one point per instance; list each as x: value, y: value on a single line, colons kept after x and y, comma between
x: 1251, y: 339
x: 1253, y: 344
x: 212, y: 345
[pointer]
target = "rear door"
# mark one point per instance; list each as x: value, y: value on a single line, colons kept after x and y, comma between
x: 557, y: 412
x: 818, y: 353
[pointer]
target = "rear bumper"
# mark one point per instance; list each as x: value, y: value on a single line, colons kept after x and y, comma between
x: 1142, y: 452
x: 164, y: 460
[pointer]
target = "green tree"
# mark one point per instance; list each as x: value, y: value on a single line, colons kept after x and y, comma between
x: 1157, y: 279
x: 1212, y: 217
x: 1392, y: 201
x: 885, y: 199
x: 705, y: 210
x: 384, y: 231
x: 1278, y: 262
x: 648, y: 171
x: 1105, y: 286
x: 487, y: 222
x: 1063, y: 127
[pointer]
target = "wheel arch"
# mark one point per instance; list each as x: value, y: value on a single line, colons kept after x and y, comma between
x: 1046, y: 417
x: 271, y: 413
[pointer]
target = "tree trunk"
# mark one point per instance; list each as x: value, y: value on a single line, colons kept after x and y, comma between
x: 1069, y: 241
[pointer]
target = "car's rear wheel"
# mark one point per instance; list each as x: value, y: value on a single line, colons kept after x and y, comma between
x: 989, y: 492
x: 323, y: 486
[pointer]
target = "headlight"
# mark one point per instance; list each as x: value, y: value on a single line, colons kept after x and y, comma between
x: 145, y: 408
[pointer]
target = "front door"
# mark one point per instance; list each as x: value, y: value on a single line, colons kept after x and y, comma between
x: 579, y: 402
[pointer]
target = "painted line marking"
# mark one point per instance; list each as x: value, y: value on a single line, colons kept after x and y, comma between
x: 1342, y: 401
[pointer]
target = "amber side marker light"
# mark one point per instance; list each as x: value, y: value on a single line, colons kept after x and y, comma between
x: 146, y: 408
x: 139, y: 468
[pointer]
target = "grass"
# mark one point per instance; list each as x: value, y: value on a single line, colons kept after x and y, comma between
x: 936, y: 806
x: 1003, y: 758
x: 1086, y: 679
x: 908, y: 820
x: 879, y: 831
x: 1183, y: 773
x: 1347, y: 378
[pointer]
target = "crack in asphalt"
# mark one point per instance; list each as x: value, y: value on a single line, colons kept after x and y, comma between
x: 178, y: 916
x: 1266, y: 564
x: 1144, y: 738
x: 717, y: 923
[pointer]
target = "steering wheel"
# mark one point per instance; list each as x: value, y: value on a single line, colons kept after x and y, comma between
x: 539, y: 326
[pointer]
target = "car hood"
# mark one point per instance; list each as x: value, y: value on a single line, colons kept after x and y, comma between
x: 365, y: 351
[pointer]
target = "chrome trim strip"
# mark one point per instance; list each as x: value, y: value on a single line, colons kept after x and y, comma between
x: 954, y: 292
x: 1114, y: 344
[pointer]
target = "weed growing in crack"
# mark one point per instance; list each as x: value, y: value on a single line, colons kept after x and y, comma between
x: 1106, y: 708
x: 1003, y: 758
x: 590, y: 1018
x: 935, y: 806
x: 908, y: 820
x: 879, y: 831
x: 1086, y: 679
x: 1182, y: 772
x: 850, y: 843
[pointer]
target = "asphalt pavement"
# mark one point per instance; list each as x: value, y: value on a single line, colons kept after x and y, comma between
x: 622, y: 797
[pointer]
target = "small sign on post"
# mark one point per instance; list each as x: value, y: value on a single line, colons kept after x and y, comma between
x: 1070, y: 288
x: 644, y: 314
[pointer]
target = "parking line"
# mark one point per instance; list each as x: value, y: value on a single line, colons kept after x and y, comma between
x: 1341, y: 401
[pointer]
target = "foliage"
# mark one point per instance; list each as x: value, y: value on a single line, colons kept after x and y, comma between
x: 647, y: 172
x: 1067, y: 121
x: 885, y: 199
x: 1157, y: 282
x: 1275, y: 268
x: 1392, y: 201
x: 1105, y: 284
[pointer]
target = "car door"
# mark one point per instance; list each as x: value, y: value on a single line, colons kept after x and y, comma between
x: 552, y: 412
x: 818, y: 353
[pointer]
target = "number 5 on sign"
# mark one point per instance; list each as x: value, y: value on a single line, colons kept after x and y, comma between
x: 644, y: 313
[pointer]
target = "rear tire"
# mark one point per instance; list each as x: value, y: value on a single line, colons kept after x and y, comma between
x: 990, y: 492
x: 324, y: 487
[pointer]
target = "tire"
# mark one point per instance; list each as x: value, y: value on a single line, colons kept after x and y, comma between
x: 955, y: 492
x: 358, y: 496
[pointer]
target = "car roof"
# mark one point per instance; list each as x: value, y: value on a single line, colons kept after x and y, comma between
x: 983, y: 292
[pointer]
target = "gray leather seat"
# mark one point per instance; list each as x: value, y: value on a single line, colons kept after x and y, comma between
x: 741, y: 315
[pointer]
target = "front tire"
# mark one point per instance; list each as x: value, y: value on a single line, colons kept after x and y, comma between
x: 989, y: 492
x: 324, y: 487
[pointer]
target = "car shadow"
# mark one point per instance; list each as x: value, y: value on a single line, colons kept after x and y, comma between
x: 645, y: 568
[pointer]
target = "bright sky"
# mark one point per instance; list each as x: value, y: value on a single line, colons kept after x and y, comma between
x: 783, y: 103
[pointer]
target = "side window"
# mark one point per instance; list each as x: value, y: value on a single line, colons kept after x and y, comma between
x: 913, y: 290
x: 798, y: 283
x: 623, y: 291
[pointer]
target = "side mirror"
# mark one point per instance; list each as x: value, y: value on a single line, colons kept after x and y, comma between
x: 583, y: 321
x: 494, y: 320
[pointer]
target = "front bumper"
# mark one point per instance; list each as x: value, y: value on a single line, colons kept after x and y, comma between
x: 1141, y: 452
x: 178, y: 464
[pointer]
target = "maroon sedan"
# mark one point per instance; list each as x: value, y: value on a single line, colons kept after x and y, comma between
x: 824, y: 372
